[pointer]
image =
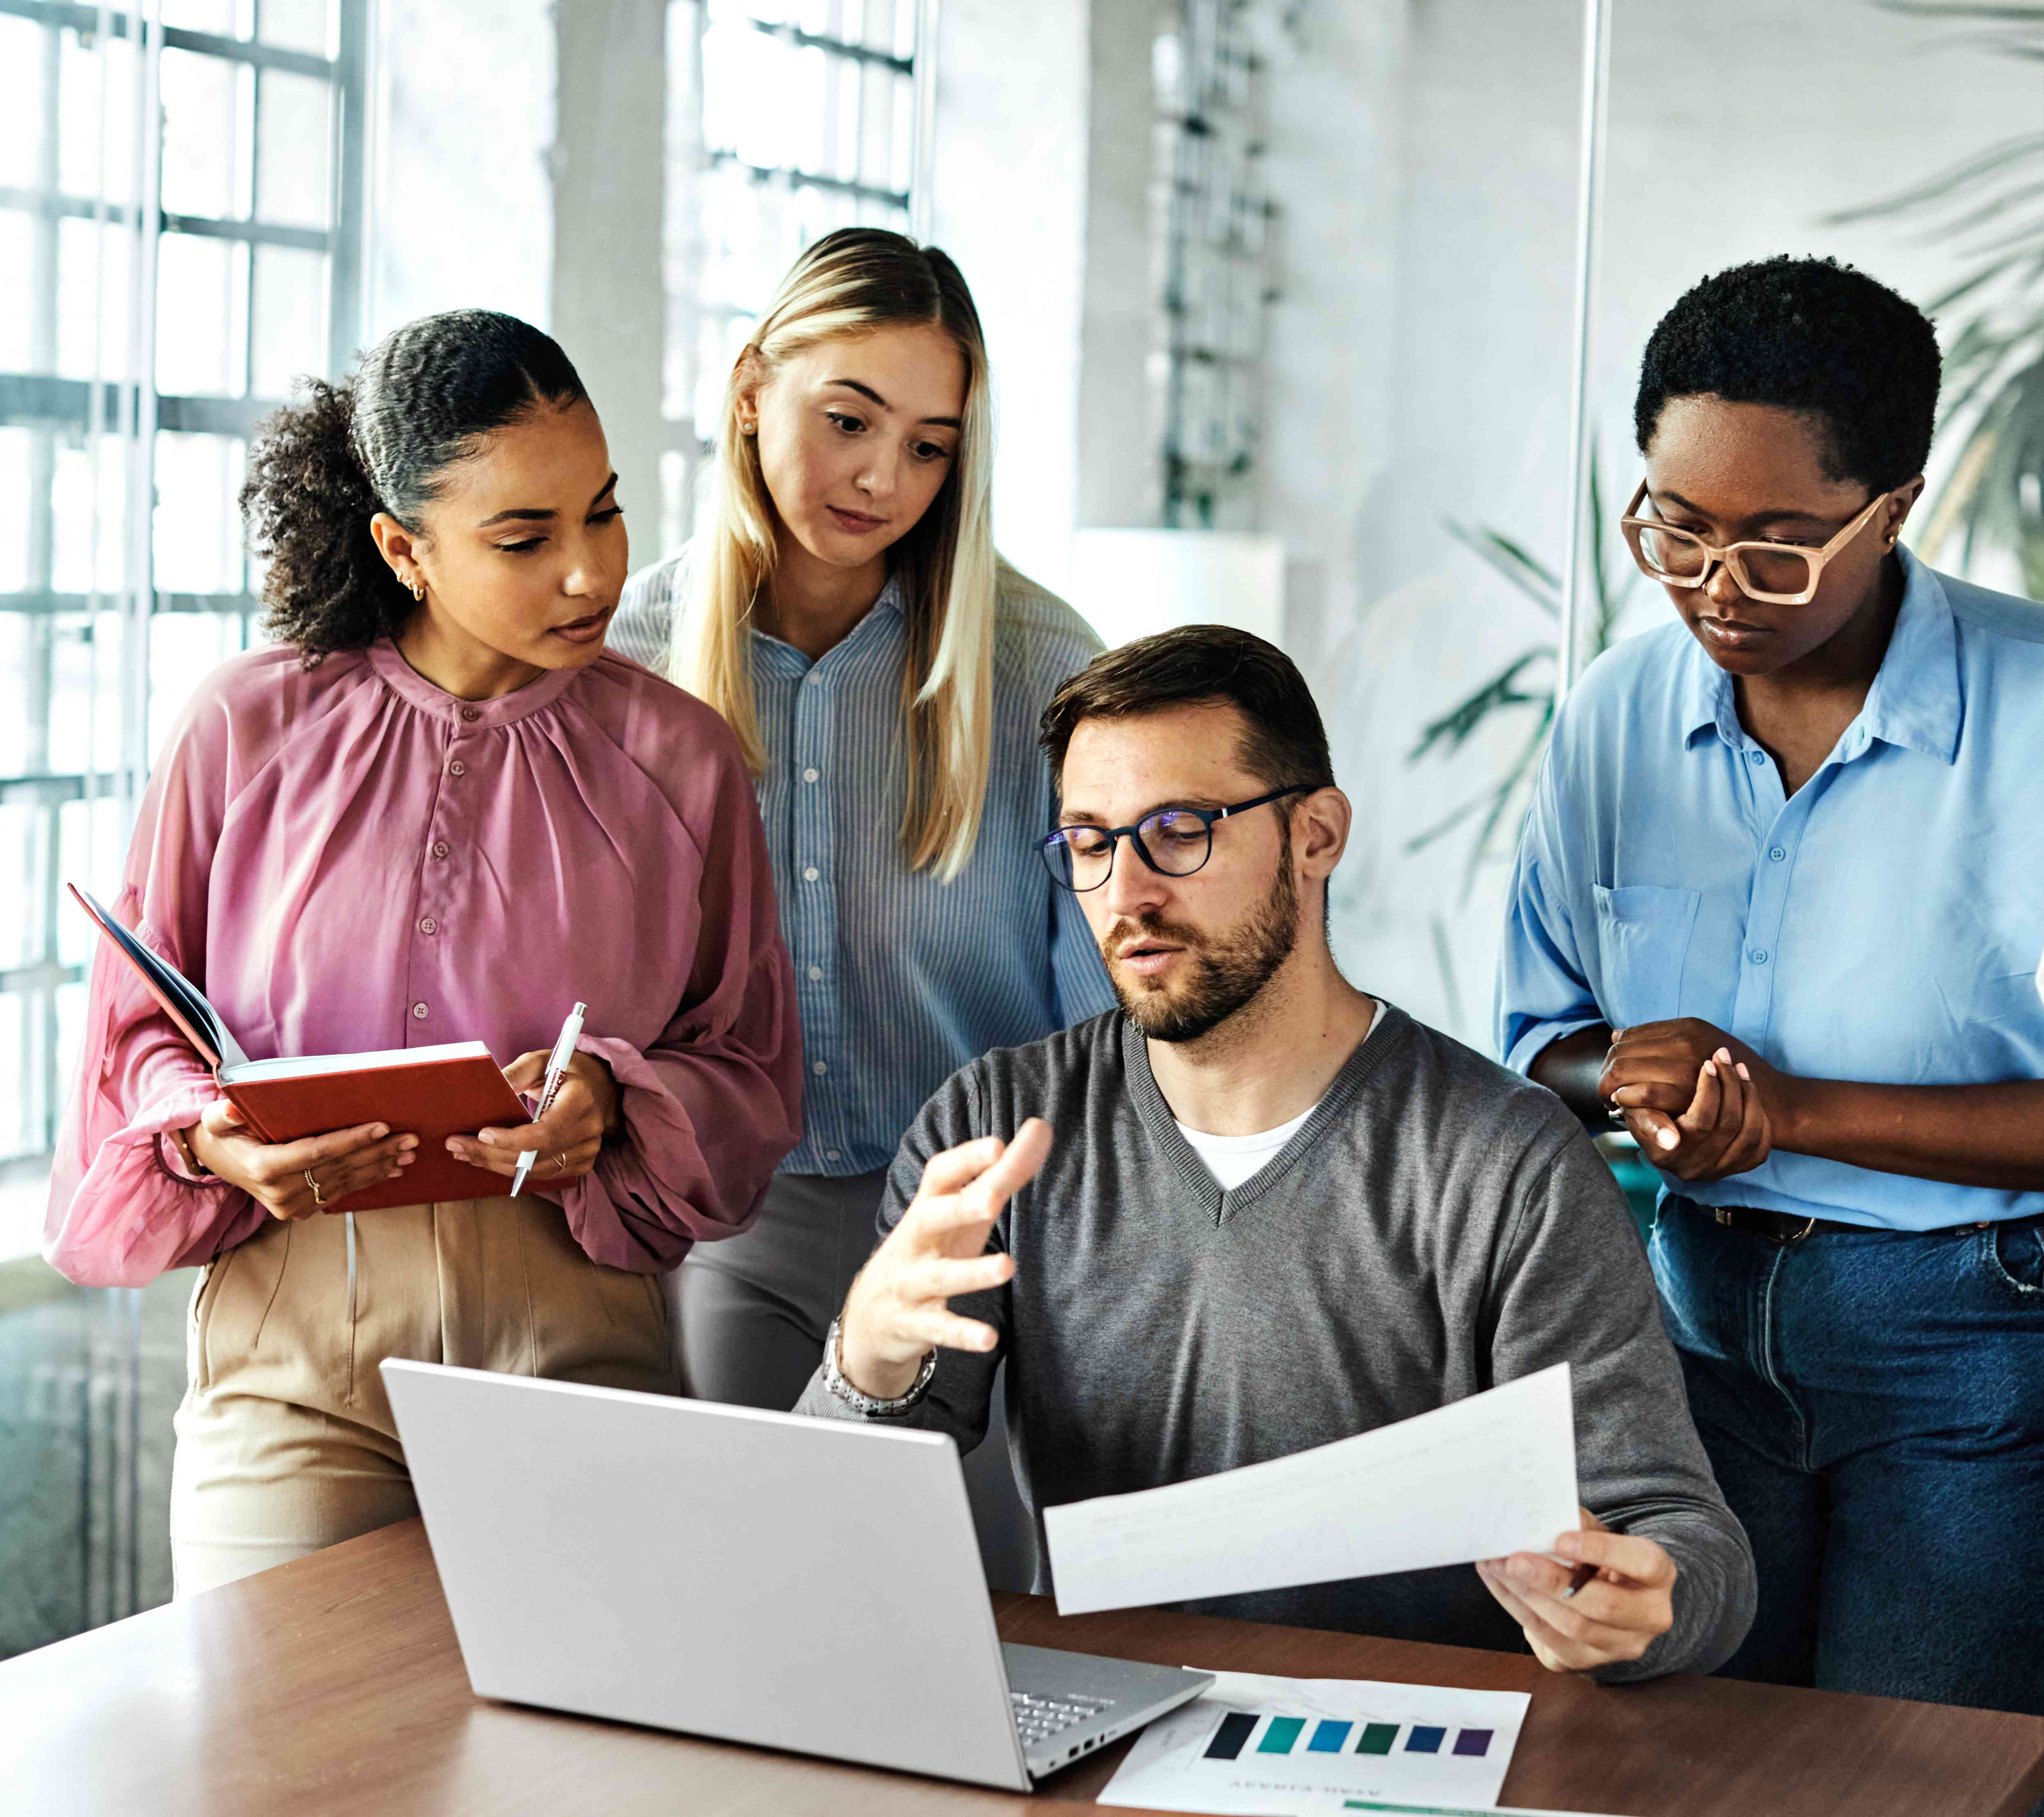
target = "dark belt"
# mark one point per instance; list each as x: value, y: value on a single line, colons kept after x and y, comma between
x: 1781, y: 1227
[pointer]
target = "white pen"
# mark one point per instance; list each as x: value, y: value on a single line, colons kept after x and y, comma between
x: 557, y: 1069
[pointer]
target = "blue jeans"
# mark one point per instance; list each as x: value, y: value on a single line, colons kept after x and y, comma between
x: 1873, y: 1405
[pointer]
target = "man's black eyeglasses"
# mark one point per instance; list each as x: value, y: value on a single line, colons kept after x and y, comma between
x: 1173, y: 842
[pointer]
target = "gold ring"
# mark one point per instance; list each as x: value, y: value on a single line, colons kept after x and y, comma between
x: 319, y: 1199
x: 560, y: 1162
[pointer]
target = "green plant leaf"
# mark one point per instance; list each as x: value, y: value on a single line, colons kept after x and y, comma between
x: 1947, y: 182
x: 2030, y: 16
x: 1460, y: 722
x: 1500, y: 802
x: 1504, y: 557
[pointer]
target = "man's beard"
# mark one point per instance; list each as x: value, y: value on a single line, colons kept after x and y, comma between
x: 1225, y: 974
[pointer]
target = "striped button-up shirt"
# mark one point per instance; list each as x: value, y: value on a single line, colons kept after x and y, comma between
x: 901, y: 979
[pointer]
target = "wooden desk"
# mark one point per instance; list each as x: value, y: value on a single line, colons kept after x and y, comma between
x: 334, y: 1684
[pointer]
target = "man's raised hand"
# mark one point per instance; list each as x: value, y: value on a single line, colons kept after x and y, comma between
x: 898, y: 1309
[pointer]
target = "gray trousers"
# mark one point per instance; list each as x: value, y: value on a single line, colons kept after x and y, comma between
x: 752, y: 1312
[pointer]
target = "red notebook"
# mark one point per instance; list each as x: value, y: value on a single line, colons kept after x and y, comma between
x: 431, y: 1093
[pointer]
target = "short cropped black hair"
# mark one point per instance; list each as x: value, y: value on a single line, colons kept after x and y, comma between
x: 1809, y: 335
x: 1284, y: 743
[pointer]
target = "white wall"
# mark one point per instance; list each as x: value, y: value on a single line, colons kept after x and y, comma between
x: 1008, y: 203
x: 461, y: 202
x: 608, y: 306
x: 1336, y: 118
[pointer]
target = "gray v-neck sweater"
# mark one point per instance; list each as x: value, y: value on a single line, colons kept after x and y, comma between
x: 1436, y: 1226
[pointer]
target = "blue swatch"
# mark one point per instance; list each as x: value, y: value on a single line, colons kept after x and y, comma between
x: 1328, y: 1738
x: 1424, y: 1739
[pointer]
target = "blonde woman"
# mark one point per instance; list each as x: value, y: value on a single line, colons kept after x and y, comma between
x: 843, y: 608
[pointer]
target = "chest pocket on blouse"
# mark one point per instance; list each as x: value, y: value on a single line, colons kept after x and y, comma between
x: 1644, y: 934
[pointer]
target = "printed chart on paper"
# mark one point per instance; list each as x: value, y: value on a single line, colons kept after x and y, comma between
x: 1254, y: 1744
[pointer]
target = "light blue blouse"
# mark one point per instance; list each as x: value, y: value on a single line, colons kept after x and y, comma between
x: 1885, y: 924
x: 901, y: 979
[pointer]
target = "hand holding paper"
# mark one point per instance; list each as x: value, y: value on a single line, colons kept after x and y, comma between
x: 1617, y: 1615
x: 1486, y: 1476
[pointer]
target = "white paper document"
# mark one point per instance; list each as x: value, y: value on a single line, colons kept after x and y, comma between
x: 1334, y: 1801
x: 1489, y: 1475
x: 1285, y: 1745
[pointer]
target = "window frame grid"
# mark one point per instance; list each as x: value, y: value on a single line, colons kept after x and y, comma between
x: 1213, y: 384
x: 690, y: 311
x: 62, y: 411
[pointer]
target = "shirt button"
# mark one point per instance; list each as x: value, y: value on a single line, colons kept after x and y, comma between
x: 811, y: 775
x: 1778, y: 853
x: 818, y: 1068
x: 441, y: 848
x: 418, y: 1012
x: 830, y: 1155
x: 811, y: 874
x: 457, y: 768
x: 1758, y: 756
x: 471, y: 715
x: 815, y: 972
x: 811, y: 680
x: 429, y: 926
x: 1758, y: 955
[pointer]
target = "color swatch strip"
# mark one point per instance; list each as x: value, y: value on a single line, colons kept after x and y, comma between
x: 1281, y: 1735
x: 1234, y: 1731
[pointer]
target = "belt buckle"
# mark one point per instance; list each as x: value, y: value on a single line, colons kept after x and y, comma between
x: 1727, y: 1215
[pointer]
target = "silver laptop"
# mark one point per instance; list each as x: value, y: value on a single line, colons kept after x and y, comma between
x: 799, y: 1584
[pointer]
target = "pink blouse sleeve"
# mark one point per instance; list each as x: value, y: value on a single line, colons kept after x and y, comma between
x: 711, y: 1108
x: 122, y: 1210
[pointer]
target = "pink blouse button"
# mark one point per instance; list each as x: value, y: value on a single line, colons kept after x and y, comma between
x: 457, y: 768
x: 441, y: 848
x: 418, y: 1012
x: 471, y: 715
x: 429, y: 926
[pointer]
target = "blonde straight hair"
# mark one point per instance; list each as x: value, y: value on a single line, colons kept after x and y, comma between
x: 851, y: 283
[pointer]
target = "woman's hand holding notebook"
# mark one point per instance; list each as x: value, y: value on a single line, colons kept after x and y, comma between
x: 456, y: 1089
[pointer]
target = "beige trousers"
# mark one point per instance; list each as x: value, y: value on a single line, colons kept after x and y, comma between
x: 285, y: 1442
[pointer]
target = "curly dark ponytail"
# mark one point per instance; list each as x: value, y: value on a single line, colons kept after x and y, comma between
x: 326, y: 464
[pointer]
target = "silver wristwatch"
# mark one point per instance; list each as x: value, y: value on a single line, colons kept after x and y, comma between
x: 870, y: 1406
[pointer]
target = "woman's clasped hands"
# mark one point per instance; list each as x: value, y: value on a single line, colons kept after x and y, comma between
x: 1700, y: 1104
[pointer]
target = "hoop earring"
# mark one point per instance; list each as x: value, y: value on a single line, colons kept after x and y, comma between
x: 418, y: 588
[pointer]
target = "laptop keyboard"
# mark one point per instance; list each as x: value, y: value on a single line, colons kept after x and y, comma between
x: 1038, y: 1719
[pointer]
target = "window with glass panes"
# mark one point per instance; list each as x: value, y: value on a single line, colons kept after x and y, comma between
x: 786, y: 118
x: 1220, y: 244
x: 181, y: 189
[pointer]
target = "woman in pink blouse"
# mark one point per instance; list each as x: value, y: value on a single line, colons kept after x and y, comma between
x: 437, y: 811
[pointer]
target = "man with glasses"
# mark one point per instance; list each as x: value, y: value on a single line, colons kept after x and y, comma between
x: 1778, y: 909
x: 1275, y: 1212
